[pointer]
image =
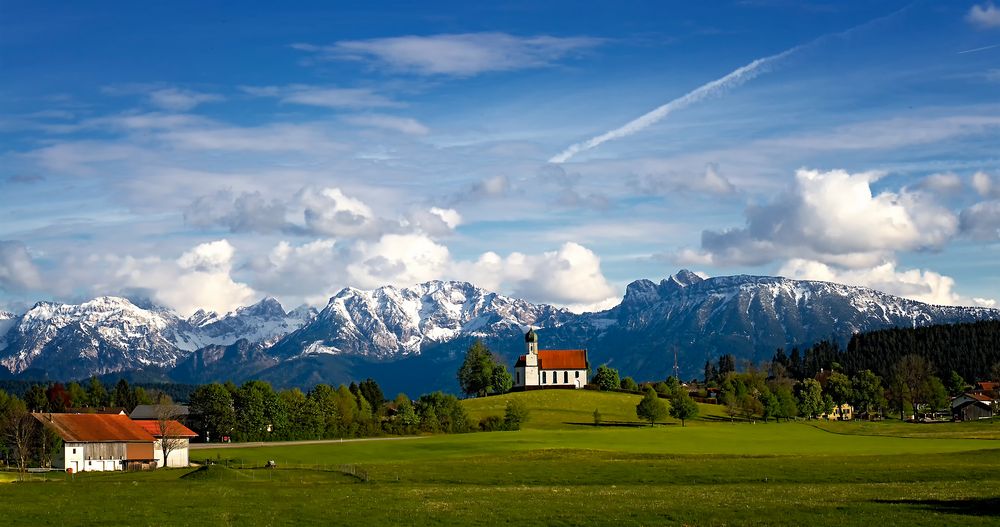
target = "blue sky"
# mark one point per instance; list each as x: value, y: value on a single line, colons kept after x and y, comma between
x: 205, y: 154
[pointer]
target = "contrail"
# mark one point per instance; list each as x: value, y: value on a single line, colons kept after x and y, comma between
x: 984, y: 48
x: 736, y: 78
x: 716, y: 87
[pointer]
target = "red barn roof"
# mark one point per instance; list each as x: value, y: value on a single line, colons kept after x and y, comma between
x: 88, y: 428
x: 174, y: 429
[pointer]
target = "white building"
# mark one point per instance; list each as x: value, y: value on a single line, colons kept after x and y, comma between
x: 549, y: 368
x: 100, y: 442
x: 179, y: 437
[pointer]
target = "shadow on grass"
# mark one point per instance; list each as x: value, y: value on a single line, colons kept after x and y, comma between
x: 621, y: 424
x: 966, y: 507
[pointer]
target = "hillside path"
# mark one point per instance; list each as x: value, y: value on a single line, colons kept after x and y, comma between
x: 255, y: 444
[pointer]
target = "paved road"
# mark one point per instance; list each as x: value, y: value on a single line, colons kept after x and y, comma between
x: 200, y: 446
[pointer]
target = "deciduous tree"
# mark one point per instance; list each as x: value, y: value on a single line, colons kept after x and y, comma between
x: 651, y: 408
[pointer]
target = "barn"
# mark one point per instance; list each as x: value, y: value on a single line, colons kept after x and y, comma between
x: 971, y: 407
x: 177, y: 437
x: 100, y: 442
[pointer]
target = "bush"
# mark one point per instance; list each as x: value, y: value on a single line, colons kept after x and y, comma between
x: 607, y: 378
x: 629, y: 384
x: 515, y: 415
x: 491, y: 423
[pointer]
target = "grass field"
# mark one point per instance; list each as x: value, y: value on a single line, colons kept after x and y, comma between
x: 558, y: 473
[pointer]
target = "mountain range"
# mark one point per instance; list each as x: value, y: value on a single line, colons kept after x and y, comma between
x: 414, y: 338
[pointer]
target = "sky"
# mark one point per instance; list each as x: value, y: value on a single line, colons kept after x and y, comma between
x: 203, y: 155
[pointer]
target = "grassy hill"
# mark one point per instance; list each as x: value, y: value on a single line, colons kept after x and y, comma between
x: 565, y: 409
x: 557, y: 472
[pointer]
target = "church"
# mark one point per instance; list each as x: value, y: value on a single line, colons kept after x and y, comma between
x: 539, y: 369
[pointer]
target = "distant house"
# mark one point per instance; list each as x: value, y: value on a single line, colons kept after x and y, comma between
x: 986, y: 388
x: 844, y: 412
x: 972, y: 406
x: 549, y: 368
x: 179, y: 437
x: 100, y: 442
x: 145, y: 412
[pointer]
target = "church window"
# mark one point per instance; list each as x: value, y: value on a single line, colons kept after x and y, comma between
x: 517, y: 376
x: 577, y: 374
x: 544, y: 379
x: 565, y: 377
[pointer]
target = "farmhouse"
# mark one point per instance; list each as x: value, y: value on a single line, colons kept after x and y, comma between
x: 100, y: 442
x: 177, y: 437
x: 972, y: 406
x: 549, y: 368
x: 844, y: 412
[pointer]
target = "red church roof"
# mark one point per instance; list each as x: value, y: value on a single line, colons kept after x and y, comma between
x: 558, y: 360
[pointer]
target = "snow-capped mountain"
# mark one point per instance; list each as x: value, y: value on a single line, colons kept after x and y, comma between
x: 414, y: 338
x: 390, y: 323
x: 111, y: 334
x: 264, y: 322
x: 104, y: 335
x: 748, y: 316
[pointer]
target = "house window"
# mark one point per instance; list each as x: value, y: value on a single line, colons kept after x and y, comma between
x: 565, y: 377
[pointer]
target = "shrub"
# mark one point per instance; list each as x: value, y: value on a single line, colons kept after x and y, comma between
x: 515, y: 415
x: 491, y: 423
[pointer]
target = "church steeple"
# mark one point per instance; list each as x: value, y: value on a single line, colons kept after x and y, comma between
x: 531, y: 340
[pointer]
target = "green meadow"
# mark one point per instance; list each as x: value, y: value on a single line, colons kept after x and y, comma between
x: 561, y: 470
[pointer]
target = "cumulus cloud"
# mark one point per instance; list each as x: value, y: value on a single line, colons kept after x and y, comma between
x: 17, y: 269
x: 570, y: 276
x: 984, y: 185
x: 246, y: 212
x: 835, y: 218
x: 982, y: 221
x: 199, y: 278
x: 915, y: 284
x: 330, y: 212
x: 325, y: 97
x: 460, y: 55
x: 403, y: 125
x: 985, y: 16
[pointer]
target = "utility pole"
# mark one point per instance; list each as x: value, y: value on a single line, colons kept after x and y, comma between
x: 677, y: 368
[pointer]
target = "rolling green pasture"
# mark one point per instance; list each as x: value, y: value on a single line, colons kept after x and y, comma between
x: 557, y: 473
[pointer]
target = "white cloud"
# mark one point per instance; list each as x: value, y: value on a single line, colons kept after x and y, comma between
x: 180, y: 100
x: 985, y: 16
x: 462, y: 55
x: 915, y: 284
x: 942, y: 183
x: 211, y: 257
x: 398, y: 259
x: 17, y: 269
x: 984, y: 185
x: 330, y: 212
x: 570, y: 276
x: 325, y: 97
x: 281, y: 137
x: 711, y: 182
x: 403, y: 125
x: 835, y: 218
x: 199, y: 279
x: 982, y: 221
